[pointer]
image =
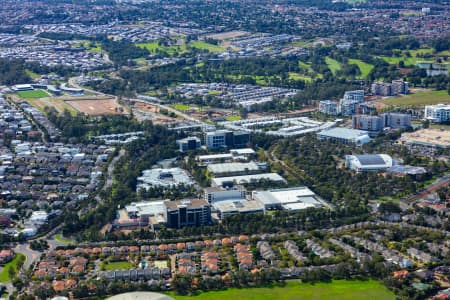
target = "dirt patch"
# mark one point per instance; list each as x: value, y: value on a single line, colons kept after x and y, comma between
x: 227, y: 35
x: 97, y: 107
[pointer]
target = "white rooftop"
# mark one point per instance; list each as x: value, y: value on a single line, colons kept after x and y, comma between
x: 247, y: 179
x: 164, y: 178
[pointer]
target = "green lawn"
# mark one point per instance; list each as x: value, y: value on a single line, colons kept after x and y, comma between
x: 117, y: 265
x: 333, y: 64
x: 182, y: 107
x: 365, y: 68
x: 297, y: 76
x: 233, y: 118
x: 153, y: 46
x: 337, y: 290
x: 33, y: 94
x: 409, y: 61
x: 62, y: 239
x: 207, y: 46
x: 4, y: 275
x: 160, y: 263
x: 32, y: 74
x: 420, y: 99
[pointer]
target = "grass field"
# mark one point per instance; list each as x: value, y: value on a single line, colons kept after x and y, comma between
x: 420, y: 99
x: 233, y: 118
x: 58, y: 104
x: 153, y: 46
x: 365, y: 68
x: 181, y: 107
x: 62, y: 239
x: 34, y: 94
x: 160, y: 263
x: 116, y: 265
x: 297, y: 76
x: 337, y: 290
x: 207, y: 46
x: 4, y: 275
x: 32, y: 74
x: 333, y: 64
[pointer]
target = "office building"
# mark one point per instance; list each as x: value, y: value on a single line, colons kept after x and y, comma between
x: 188, y: 212
x: 189, y: 143
x: 293, y: 199
x: 439, y: 113
x: 366, y: 122
x: 226, y: 139
x: 396, y: 120
x: 345, y: 135
x: 368, y: 162
x: 329, y: 107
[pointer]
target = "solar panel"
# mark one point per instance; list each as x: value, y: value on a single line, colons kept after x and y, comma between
x: 368, y: 160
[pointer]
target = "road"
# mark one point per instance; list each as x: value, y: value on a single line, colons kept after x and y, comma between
x: 441, y: 182
x: 109, y: 173
x: 170, y: 109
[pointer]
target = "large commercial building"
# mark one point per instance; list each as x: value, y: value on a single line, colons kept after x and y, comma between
x: 189, y: 143
x: 226, y: 139
x: 189, y: 212
x: 368, y: 162
x: 167, y: 178
x: 439, y: 113
x: 329, y: 107
x: 246, y: 179
x: 293, y: 199
x: 235, y: 168
x: 426, y: 141
x: 227, y: 208
x: 244, y: 154
x: 345, y: 135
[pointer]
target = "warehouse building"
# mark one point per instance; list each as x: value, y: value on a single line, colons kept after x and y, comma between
x: 245, y: 179
x: 167, y: 178
x: 235, y: 168
x: 345, y: 136
x: 292, y: 199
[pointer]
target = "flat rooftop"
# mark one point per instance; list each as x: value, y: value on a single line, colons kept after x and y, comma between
x: 343, y: 133
x: 151, y: 208
x: 164, y: 177
x: 430, y: 137
x: 290, y: 198
x: 191, y: 203
x: 233, y: 167
x: 238, y: 206
x: 247, y: 179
